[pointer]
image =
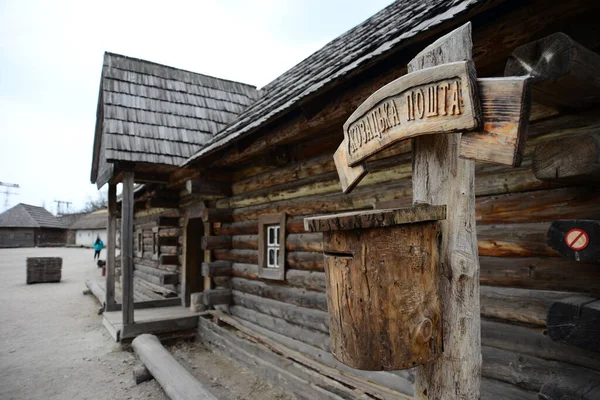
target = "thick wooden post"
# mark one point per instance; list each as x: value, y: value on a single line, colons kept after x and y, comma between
x: 111, y: 244
x: 127, y: 247
x: 441, y: 177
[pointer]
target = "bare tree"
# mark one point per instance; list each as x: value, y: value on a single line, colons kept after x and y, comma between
x: 99, y: 202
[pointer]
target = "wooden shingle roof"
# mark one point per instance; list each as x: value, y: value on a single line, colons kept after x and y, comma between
x: 27, y: 216
x: 94, y: 220
x: 152, y: 113
x: 378, y: 35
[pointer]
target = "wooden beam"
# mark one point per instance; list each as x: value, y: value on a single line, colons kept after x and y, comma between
x: 216, y: 268
x: 207, y: 188
x: 575, y: 321
x: 151, y: 177
x: 562, y: 71
x: 168, y: 222
x: 142, y: 305
x: 571, y: 159
x: 162, y: 203
x: 215, y: 242
x: 127, y: 247
x: 215, y: 297
x: 175, y: 380
x: 440, y: 177
x: 576, y: 239
x: 217, y: 215
x: 164, y: 277
x: 111, y: 245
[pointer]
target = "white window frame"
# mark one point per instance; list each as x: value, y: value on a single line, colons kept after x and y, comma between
x: 271, y: 243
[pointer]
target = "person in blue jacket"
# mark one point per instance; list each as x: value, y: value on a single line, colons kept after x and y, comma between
x: 98, y: 246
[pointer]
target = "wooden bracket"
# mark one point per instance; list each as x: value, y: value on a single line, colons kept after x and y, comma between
x: 575, y: 321
x: 571, y: 160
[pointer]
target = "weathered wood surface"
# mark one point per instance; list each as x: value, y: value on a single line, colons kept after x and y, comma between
x: 440, y: 177
x: 297, y: 332
x: 531, y: 373
x: 438, y: 99
x: 324, y: 368
x: 575, y: 321
x: 141, y: 375
x: 571, y: 159
x: 217, y: 268
x: 215, y: 297
x: 520, y: 305
x: 97, y: 291
x: 505, y: 104
x: 371, y: 273
x: 215, y: 242
x: 153, y: 283
x: 305, y: 383
x: 544, y: 273
x: 282, y: 293
x: 563, y: 72
x: 217, y: 215
x: 349, y: 176
x: 175, y: 380
x: 164, y: 277
x: 307, y: 317
x: 514, y: 240
x: 127, y: 247
x: 197, y: 302
x: 111, y: 245
x: 579, y: 388
x: 143, y: 291
x: 375, y: 218
x: 43, y: 269
x: 534, y: 341
x: 577, y: 240
x: 205, y: 188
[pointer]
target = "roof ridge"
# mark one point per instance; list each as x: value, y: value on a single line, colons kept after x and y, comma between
x: 180, y: 69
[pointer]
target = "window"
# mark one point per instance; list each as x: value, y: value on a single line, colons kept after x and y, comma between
x: 271, y: 244
x: 155, y: 244
x: 140, y: 244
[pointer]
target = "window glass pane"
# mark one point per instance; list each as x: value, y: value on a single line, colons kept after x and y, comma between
x: 271, y: 258
x: 277, y: 258
x: 271, y: 235
x: 277, y: 235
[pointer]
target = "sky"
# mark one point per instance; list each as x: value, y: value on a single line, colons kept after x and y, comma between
x: 51, y: 58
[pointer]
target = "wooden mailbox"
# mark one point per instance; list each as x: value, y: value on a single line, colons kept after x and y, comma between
x: 382, y: 286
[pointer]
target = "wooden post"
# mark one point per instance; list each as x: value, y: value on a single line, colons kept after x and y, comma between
x: 441, y: 177
x: 111, y: 244
x: 127, y: 247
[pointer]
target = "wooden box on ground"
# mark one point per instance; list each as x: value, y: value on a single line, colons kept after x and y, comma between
x: 44, y: 269
x: 382, y: 286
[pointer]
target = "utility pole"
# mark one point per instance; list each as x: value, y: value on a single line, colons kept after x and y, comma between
x: 7, y: 193
x: 59, y: 207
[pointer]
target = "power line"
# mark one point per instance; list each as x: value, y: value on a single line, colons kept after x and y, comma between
x: 7, y: 193
x: 59, y: 207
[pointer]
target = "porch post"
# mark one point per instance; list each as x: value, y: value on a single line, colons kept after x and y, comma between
x: 127, y: 247
x: 111, y: 244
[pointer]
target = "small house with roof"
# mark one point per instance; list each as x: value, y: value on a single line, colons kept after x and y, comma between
x: 25, y: 225
x: 88, y: 227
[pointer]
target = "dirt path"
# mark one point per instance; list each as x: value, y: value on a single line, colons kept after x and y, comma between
x: 53, y: 344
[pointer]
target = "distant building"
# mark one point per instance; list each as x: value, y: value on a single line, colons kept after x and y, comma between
x: 25, y: 225
x: 87, y: 228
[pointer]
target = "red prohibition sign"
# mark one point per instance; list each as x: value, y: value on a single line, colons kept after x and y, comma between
x: 576, y: 239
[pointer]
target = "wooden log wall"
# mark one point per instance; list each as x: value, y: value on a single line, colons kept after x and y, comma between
x: 157, y: 275
x: 520, y: 275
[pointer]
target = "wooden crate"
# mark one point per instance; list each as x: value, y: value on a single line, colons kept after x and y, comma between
x: 44, y: 269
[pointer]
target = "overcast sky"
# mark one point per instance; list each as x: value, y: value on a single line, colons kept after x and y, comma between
x: 51, y: 58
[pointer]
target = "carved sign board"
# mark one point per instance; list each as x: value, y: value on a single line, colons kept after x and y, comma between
x: 433, y: 100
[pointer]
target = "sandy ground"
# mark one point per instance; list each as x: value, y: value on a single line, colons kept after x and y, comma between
x: 53, y: 344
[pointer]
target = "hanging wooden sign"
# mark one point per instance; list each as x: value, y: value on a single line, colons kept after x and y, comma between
x: 441, y: 99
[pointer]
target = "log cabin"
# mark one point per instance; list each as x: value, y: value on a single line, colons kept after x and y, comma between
x: 228, y: 174
x: 25, y: 225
